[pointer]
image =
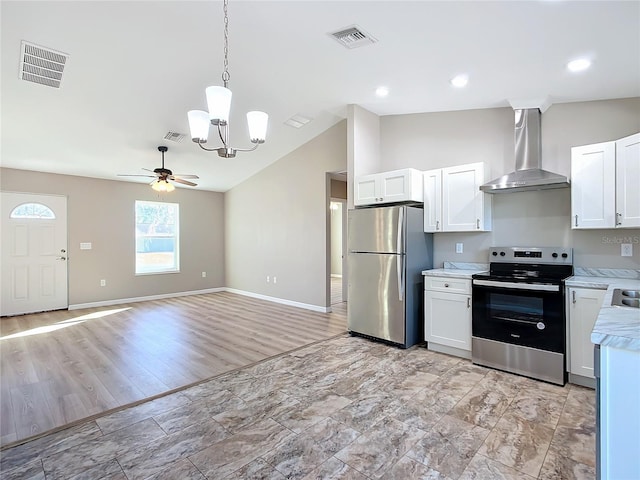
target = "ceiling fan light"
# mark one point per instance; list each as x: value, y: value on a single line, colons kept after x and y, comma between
x: 219, y: 104
x: 257, y: 126
x: 163, y: 186
x: 198, y: 125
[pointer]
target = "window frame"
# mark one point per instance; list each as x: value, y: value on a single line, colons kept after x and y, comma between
x: 160, y: 270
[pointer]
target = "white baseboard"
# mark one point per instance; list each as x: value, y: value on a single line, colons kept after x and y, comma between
x: 120, y: 301
x: 283, y: 301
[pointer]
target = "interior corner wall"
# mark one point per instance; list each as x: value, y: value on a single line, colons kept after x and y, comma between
x: 276, y: 223
x: 363, y: 146
x: 539, y: 218
x: 103, y: 212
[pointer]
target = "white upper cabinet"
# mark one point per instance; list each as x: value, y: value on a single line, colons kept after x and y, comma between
x: 433, y: 200
x: 628, y: 182
x: 593, y: 181
x: 604, y: 184
x: 389, y: 187
x: 453, y: 200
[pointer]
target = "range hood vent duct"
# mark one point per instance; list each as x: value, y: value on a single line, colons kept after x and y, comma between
x: 529, y: 174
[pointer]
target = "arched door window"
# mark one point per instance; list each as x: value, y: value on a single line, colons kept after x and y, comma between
x: 33, y: 210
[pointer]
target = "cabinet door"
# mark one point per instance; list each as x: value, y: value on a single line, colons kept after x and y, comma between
x: 447, y: 319
x: 432, y: 183
x: 401, y: 185
x: 628, y: 182
x: 584, y: 306
x: 366, y: 190
x: 593, y: 186
x: 462, y: 200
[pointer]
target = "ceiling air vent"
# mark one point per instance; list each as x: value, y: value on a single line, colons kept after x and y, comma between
x: 174, y: 137
x: 297, y: 121
x: 353, y: 37
x: 41, y: 65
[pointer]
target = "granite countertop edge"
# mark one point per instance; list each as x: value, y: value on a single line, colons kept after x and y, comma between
x: 450, y: 272
x: 617, y: 327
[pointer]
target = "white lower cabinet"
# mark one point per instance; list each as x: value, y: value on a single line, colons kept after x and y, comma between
x: 447, y: 315
x: 583, y: 308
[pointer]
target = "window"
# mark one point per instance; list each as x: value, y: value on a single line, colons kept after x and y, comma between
x: 33, y: 210
x: 157, y: 234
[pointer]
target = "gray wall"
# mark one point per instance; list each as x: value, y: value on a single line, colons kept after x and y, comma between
x: 102, y: 212
x: 277, y: 222
x: 434, y: 140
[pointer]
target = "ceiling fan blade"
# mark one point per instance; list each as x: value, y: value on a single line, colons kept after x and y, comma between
x: 147, y: 170
x: 128, y: 175
x: 185, y: 182
x: 177, y: 175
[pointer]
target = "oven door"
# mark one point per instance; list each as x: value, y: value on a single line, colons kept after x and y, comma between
x: 527, y: 314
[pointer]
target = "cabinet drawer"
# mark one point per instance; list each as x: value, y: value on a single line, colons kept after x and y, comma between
x: 447, y: 284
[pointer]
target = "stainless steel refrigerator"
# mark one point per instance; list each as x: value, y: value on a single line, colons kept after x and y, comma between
x: 388, y: 250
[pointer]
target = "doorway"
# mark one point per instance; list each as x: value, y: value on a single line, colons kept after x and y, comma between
x: 34, y: 253
x: 337, y: 286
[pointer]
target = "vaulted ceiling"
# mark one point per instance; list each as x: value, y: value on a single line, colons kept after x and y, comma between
x: 136, y: 67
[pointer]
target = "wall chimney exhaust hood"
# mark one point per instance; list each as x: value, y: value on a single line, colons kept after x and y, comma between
x: 529, y: 174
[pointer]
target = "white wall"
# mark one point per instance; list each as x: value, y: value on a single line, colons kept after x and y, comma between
x: 276, y: 223
x: 336, y: 237
x: 363, y: 145
x: 433, y: 140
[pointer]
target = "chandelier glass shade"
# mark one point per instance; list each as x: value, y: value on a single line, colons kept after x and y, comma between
x: 219, y: 106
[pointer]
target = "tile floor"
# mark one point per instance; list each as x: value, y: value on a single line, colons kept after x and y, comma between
x: 346, y: 408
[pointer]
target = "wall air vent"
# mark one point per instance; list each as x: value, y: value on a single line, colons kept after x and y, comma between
x: 41, y: 65
x: 353, y: 37
x: 174, y: 137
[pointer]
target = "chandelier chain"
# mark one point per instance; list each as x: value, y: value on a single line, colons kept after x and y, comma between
x: 225, y: 73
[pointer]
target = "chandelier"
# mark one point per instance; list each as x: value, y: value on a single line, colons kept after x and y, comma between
x: 219, y: 104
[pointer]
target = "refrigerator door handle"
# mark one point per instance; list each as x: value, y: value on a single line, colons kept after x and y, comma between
x: 400, y: 271
x: 399, y: 239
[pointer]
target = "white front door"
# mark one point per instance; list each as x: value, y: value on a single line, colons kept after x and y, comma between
x: 34, y: 253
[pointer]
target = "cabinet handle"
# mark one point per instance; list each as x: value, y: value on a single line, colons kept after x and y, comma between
x: 576, y: 220
x: 468, y: 302
x: 573, y: 296
x: 446, y: 285
x: 437, y: 224
x: 477, y: 224
x: 618, y: 215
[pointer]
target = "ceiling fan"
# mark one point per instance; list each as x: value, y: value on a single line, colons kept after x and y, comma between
x: 161, y: 176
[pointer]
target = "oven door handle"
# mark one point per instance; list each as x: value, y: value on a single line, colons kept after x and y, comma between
x: 517, y: 285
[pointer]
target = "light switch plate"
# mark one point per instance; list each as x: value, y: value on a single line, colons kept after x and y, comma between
x: 459, y: 248
x: 626, y: 250
x: 85, y: 246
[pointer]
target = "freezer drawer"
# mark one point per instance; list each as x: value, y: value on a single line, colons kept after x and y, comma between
x: 377, y: 296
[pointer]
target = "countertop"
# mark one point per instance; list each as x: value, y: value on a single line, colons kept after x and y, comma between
x: 615, y: 326
x: 457, y: 270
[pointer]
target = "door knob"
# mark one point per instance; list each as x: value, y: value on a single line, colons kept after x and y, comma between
x: 61, y: 258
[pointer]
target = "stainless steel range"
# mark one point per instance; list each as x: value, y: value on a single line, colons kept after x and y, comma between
x: 518, y: 315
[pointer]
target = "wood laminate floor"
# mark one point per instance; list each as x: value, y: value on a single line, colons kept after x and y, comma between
x: 57, y: 368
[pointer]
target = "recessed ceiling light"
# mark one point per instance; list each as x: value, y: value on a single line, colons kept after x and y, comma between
x: 460, y: 81
x: 579, y: 65
x: 382, y: 91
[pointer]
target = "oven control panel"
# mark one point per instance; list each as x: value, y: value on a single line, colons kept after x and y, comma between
x: 546, y: 255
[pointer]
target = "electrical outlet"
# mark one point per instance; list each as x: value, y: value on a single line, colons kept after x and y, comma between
x: 103, y: 283
x: 204, y: 274
x: 275, y: 280
x: 268, y: 279
x: 626, y: 250
x: 459, y: 248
